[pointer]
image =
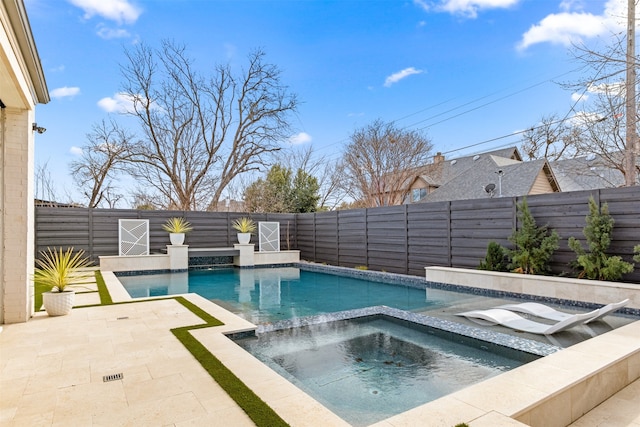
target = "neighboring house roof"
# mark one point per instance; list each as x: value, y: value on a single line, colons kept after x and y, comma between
x: 441, y: 172
x: 586, y: 173
x: 518, y: 178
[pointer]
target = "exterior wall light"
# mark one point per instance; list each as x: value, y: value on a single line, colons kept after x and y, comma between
x: 38, y: 129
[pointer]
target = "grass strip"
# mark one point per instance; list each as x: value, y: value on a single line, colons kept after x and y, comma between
x: 259, y: 412
x: 208, y: 319
x: 103, y: 291
x: 38, y: 289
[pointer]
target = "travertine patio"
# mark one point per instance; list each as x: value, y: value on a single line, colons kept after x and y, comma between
x: 52, y: 369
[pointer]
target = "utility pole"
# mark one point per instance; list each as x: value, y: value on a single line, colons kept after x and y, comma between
x: 631, y: 143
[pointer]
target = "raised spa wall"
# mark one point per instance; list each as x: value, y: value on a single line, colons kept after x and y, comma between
x: 177, y: 258
x: 556, y: 288
x: 555, y: 390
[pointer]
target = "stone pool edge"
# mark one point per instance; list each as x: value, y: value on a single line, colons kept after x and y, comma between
x: 552, y: 391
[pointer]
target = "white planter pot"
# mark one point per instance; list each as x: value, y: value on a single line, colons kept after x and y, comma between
x: 176, y: 238
x: 58, y: 303
x: 244, y: 238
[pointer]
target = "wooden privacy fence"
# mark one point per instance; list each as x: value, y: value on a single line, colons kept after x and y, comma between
x: 399, y: 239
x: 96, y: 230
x: 407, y: 238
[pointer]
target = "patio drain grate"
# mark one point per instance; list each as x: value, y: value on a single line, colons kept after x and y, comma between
x: 112, y: 377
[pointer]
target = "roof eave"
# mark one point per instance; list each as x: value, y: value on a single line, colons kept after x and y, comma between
x: 20, y: 22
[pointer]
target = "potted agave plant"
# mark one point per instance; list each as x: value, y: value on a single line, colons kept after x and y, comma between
x: 177, y: 227
x: 245, y: 227
x: 56, y: 270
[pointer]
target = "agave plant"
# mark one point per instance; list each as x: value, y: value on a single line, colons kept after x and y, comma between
x: 56, y: 269
x: 177, y: 225
x: 244, y: 225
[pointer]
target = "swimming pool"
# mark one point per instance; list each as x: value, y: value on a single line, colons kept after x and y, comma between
x: 264, y: 295
x: 388, y: 368
x: 370, y: 368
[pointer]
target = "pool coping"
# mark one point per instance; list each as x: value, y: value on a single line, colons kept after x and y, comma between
x: 493, y: 338
x: 552, y: 391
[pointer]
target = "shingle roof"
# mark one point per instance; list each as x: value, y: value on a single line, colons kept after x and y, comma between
x: 438, y: 174
x: 582, y: 174
x: 517, y: 180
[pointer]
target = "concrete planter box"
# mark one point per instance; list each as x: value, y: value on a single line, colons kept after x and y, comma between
x: 591, y: 291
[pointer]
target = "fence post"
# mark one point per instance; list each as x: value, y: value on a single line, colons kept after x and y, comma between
x: 406, y: 239
x: 338, y: 237
x: 449, y: 245
x: 315, y: 228
x: 366, y: 237
x: 91, y: 234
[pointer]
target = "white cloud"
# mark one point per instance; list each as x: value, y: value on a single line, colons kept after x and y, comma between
x: 568, y: 27
x: 396, y: 77
x: 467, y: 8
x: 112, y: 33
x: 301, y: 138
x: 120, y: 103
x: 579, y: 97
x: 612, y: 89
x: 76, y: 151
x: 569, y: 5
x: 584, y: 118
x: 64, y: 92
x: 120, y: 11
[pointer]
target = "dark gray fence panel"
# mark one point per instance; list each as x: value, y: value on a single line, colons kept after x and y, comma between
x: 352, y: 232
x: 306, y: 235
x: 326, y: 237
x: 387, y: 238
x: 57, y: 227
x: 402, y: 239
x: 474, y: 225
x: 96, y: 230
x: 428, y: 236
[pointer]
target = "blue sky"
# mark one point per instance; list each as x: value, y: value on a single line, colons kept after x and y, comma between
x: 463, y: 71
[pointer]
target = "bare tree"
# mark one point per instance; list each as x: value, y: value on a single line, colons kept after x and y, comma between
x: 603, y: 135
x: 325, y: 170
x: 103, y: 157
x: 552, y: 139
x: 44, y: 188
x: 608, y: 125
x: 201, y: 131
x: 380, y: 162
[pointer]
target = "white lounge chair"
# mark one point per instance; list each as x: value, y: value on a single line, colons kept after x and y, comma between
x: 546, y: 312
x: 499, y: 316
x: 607, y: 309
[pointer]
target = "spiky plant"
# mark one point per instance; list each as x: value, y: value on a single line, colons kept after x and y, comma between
x: 534, y: 245
x: 244, y: 225
x: 177, y: 225
x: 55, y: 269
x: 496, y: 258
x: 595, y: 263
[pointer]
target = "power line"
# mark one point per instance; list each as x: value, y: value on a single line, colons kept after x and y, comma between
x: 334, y: 154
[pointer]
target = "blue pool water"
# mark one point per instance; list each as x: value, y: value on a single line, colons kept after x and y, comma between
x: 364, y: 369
x: 270, y: 294
x: 368, y: 369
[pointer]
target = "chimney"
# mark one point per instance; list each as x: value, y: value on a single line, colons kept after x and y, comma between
x: 438, y: 158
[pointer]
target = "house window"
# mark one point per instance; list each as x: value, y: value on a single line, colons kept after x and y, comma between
x: 418, y: 194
